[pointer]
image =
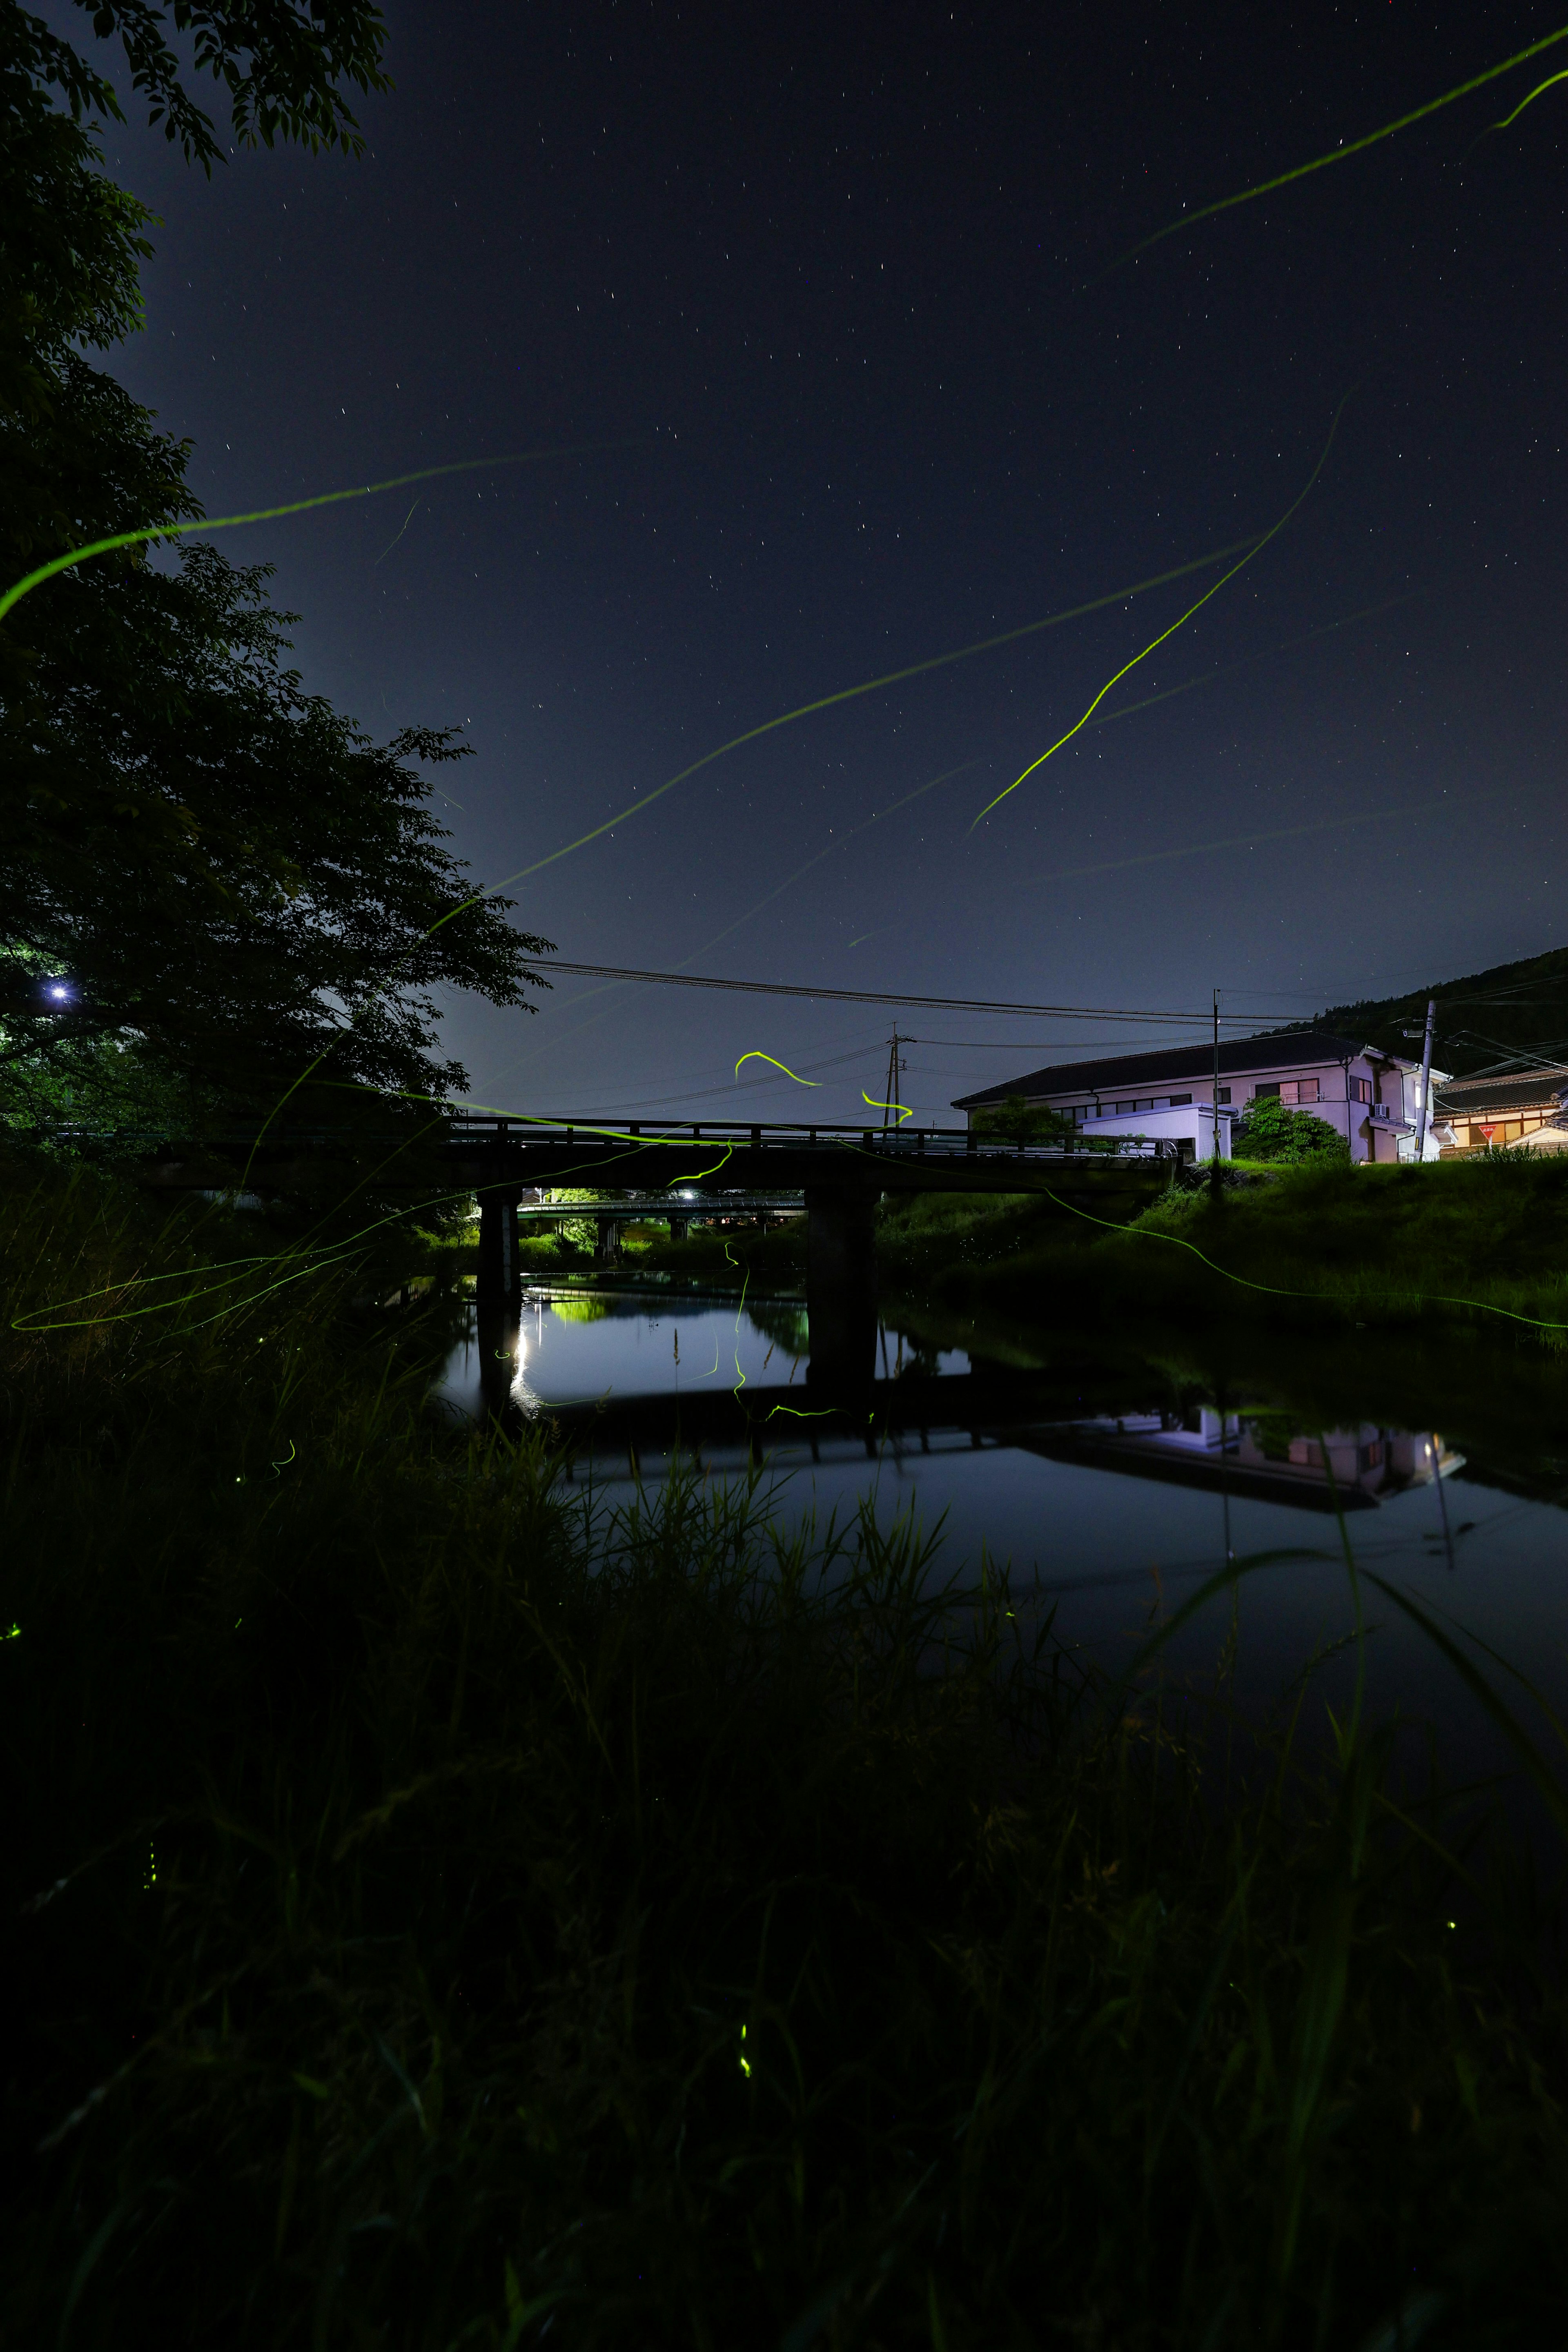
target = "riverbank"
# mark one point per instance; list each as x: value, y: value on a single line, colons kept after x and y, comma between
x: 1483, y: 1243
x: 443, y: 1905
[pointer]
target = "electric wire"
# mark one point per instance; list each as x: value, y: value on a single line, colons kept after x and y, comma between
x: 884, y: 996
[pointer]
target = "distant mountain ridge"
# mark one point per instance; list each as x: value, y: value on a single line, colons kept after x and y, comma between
x: 1511, y: 1009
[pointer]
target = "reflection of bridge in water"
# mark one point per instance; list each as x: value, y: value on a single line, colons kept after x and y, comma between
x: 840, y: 1173
x: 1341, y: 1470
x: 834, y: 1175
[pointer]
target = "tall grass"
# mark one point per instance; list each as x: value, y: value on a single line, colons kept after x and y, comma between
x: 447, y: 1910
x: 1481, y: 1243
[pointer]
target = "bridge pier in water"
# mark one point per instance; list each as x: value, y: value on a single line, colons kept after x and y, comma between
x: 498, y: 1293
x: 841, y: 1290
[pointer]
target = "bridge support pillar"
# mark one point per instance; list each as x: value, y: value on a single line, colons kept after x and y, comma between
x: 608, y: 1247
x: 498, y: 1293
x: 679, y: 1228
x: 841, y: 1291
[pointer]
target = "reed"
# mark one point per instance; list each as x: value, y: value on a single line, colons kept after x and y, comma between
x: 448, y: 1909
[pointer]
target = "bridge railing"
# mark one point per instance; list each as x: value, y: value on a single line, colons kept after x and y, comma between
x: 882, y: 1143
x: 602, y: 1138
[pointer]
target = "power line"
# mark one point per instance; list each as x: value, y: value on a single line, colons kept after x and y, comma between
x: 882, y: 996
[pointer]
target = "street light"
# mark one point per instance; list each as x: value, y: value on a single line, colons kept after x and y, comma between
x: 41, y: 996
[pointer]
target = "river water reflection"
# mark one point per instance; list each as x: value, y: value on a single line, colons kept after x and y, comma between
x: 1113, y: 1480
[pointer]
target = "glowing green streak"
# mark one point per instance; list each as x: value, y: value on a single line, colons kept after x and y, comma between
x: 1432, y: 1298
x: 741, y: 1377
x: 392, y: 542
x: 608, y: 987
x: 1286, y: 646
x: 1338, y: 155
x: 1237, y: 841
x: 841, y: 841
x: 786, y: 719
x: 1255, y: 549
x: 903, y: 1114
x: 778, y: 1066
x: 848, y: 694
x: 15, y: 594
x: 1535, y: 94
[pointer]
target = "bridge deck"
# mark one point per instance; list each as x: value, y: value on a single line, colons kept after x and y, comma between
x: 778, y: 1158
x: 759, y: 1158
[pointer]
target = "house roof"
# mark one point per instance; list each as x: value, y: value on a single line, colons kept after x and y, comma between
x: 1302, y: 1049
x: 1536, y: 1091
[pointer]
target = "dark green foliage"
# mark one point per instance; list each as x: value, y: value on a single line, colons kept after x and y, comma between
x: 1018, y: 1120
x: 438, y: 1909
x: 1273, y: 1131
x: 1448, y: 1242
x: 282, y: 61
x: 236, y: 881
x: 1511, y: 1009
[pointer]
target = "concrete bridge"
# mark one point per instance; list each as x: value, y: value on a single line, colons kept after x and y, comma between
x: 836, y: 1174
x: 841, y: 1173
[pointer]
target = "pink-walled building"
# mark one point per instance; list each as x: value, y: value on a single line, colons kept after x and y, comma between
x: 1363, y: 1094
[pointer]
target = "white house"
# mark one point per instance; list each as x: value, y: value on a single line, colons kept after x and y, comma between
x: 1367, y: 1095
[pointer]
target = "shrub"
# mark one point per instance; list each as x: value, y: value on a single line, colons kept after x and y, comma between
x: 1020, y: 1121
x: 1273, y: 1131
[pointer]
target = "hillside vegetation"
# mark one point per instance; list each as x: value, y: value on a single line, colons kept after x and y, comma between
x: 445, y: 1911
x: 1508, y: 1009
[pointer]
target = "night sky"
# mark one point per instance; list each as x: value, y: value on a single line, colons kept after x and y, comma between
x: 840, y: 289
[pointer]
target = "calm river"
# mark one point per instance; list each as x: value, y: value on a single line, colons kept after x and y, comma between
x: 1113, y: 1481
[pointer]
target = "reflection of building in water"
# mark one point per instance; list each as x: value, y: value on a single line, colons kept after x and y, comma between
x: 1251, y: 1453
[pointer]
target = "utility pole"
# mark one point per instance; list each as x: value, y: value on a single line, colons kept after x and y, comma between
x: 894, y: 1067
x: 1426, y: 1082
x: 1214, y: 1162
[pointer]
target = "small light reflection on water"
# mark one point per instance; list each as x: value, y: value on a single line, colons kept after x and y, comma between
x: 1112, y: 1518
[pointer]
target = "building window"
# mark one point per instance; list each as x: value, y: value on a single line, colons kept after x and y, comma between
x: 1299, y: 1090
x: 1225, y: 1094
x: 1265, y: 1093
x: 1180, y: 1102
x: 1361, y: 1090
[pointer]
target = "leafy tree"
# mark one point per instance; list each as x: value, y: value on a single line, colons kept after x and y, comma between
x: 231, y: 880
x: 1018, y: 1120
x: 1272, y: 1130
x: 283, y: 64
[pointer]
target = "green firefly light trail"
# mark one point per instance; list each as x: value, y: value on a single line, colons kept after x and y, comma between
x: 1155, y: 643
x: 24, y: 587
x: 1356, y: 146
x: 778, y: 1066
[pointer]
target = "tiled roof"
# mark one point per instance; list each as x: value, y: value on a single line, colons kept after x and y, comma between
x: 1539, y: 1089
x: 1306, y: 1049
